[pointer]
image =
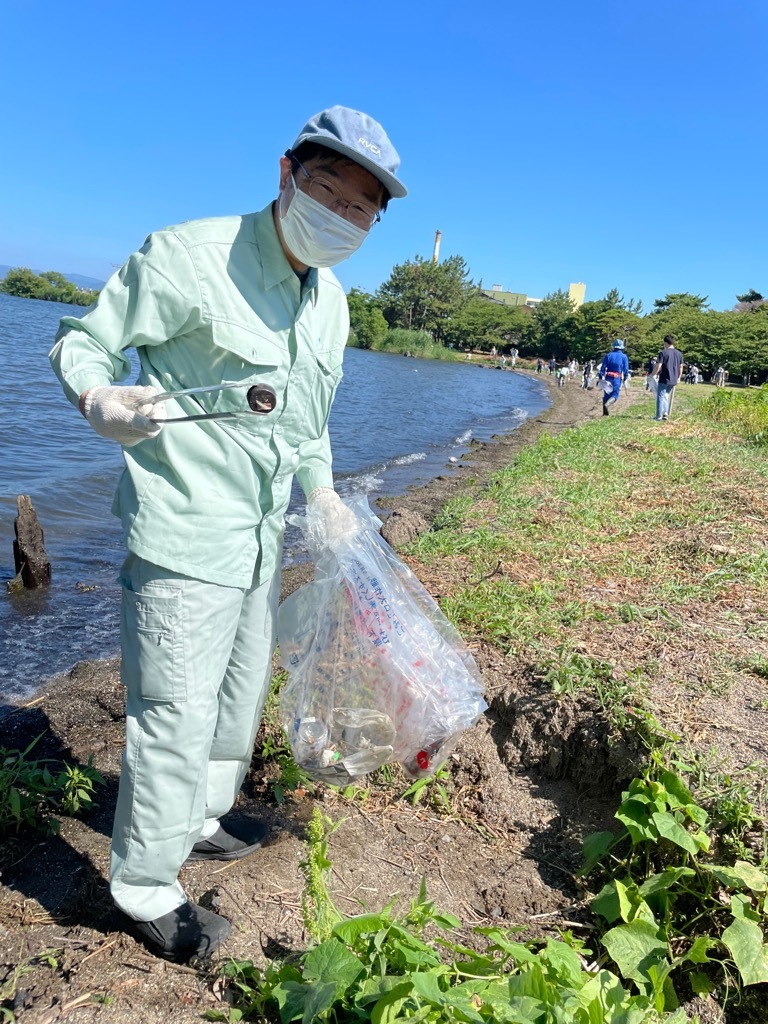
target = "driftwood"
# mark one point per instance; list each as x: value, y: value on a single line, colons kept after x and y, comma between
x: 32, y: 565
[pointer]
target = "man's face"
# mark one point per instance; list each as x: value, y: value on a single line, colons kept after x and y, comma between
x: 342, y: 185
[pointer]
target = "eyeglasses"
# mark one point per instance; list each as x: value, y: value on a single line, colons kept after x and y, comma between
x: 328, y: 195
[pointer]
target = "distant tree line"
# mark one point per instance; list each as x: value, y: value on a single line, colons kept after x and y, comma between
x: 51, y: 285
x: 441, y: 301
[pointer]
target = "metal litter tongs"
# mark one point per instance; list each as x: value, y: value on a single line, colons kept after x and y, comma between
x: 261, y: 399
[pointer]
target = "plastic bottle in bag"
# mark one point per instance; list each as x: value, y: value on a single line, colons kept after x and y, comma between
x: 310, y: 739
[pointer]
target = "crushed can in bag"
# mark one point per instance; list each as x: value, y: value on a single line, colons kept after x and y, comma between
x: 376, y: 673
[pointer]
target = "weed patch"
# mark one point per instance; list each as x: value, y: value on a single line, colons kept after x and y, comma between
x: 677, y: 918
x: 387, y: 966
x: 745, y: 412
x: 33, y: 791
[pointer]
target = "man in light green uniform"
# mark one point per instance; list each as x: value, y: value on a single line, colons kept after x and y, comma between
x: 235, y: 301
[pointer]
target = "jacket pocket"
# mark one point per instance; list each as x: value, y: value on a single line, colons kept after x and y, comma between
x: 322, y: 391
x: 153, y: 665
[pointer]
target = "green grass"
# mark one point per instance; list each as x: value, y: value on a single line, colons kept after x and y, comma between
x: 417, y: 343
x: 743, y: 411
x: 588, y: 494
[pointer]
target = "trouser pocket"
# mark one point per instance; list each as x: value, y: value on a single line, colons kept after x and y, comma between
x: 153, y: 666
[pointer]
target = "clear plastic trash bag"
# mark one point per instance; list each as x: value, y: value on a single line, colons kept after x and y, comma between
x: 376, y: 673
x: 606, y: 386
x: 652, y: 383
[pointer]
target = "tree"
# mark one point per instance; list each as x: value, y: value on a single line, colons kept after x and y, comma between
x: 616, y: 323
x: 680, y: 300
x: 366, y: 319
x: 613, y: 300
x: 481, y: 324
x: 750, y: 296
x: 22, y: 282
x: 555, y: 325
x: 710, y: 338
x: 422, y: 296
x: 50, y: 285
x: 602, y: 320
x: 749, y: 301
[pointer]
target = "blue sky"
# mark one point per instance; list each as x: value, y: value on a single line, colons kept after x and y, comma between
x: 619, y: 144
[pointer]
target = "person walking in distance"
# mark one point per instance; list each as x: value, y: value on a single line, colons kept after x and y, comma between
x: 669, y: 365
x: 218, y: 310
x: 614, y: 369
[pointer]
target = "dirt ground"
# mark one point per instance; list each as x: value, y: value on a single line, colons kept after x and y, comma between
x: 528, y: 782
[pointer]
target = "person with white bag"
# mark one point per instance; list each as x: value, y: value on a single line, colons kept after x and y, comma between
x: 614, y: 370
x: 240, y: 329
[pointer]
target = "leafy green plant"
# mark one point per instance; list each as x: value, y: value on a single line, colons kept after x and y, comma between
x: 381, y: 967
x: 384, y: 966
x: 758, y: 665
x: 432, y: 789
x: 735, y: 800
x: 670, y: 909
x: 318, y: 909
x: 75, y: 785
x: 30, y: 792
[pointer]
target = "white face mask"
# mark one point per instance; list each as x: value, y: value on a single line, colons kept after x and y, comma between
x: 314, y: 234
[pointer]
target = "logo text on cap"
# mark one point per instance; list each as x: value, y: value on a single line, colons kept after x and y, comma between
x: 369, y: 145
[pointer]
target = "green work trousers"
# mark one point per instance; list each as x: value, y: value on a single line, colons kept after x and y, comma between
x: 196, y: 664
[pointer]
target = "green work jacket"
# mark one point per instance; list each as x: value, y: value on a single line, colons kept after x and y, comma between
x: 208, y: 302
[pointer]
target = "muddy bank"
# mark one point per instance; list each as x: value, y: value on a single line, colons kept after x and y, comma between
x: 522, y: 789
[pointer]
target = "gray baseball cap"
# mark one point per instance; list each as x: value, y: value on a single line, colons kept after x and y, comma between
x: 359, y: 137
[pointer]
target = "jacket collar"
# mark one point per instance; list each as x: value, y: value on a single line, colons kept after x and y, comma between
x: 275, y: 267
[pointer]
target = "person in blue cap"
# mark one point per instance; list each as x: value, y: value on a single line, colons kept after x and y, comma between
x: 217, y: 310
x: 614, y: 370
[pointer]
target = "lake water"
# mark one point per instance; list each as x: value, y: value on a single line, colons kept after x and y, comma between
x: 396, y: 422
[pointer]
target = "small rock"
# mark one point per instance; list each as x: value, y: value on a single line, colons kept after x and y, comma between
x: 211, y: 899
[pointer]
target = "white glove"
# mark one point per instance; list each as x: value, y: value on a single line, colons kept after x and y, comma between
x: 119, y: 414
x: 336, y: 521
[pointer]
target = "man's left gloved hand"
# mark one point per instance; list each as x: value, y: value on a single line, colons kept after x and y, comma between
x: 338, y: 521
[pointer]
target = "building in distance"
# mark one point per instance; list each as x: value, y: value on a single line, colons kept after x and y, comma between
x: 576, y: 293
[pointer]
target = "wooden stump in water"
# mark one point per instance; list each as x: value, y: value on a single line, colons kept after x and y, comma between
x: 32, y: 564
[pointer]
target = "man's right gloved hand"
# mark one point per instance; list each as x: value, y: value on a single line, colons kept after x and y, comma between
x: 117, y: 413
